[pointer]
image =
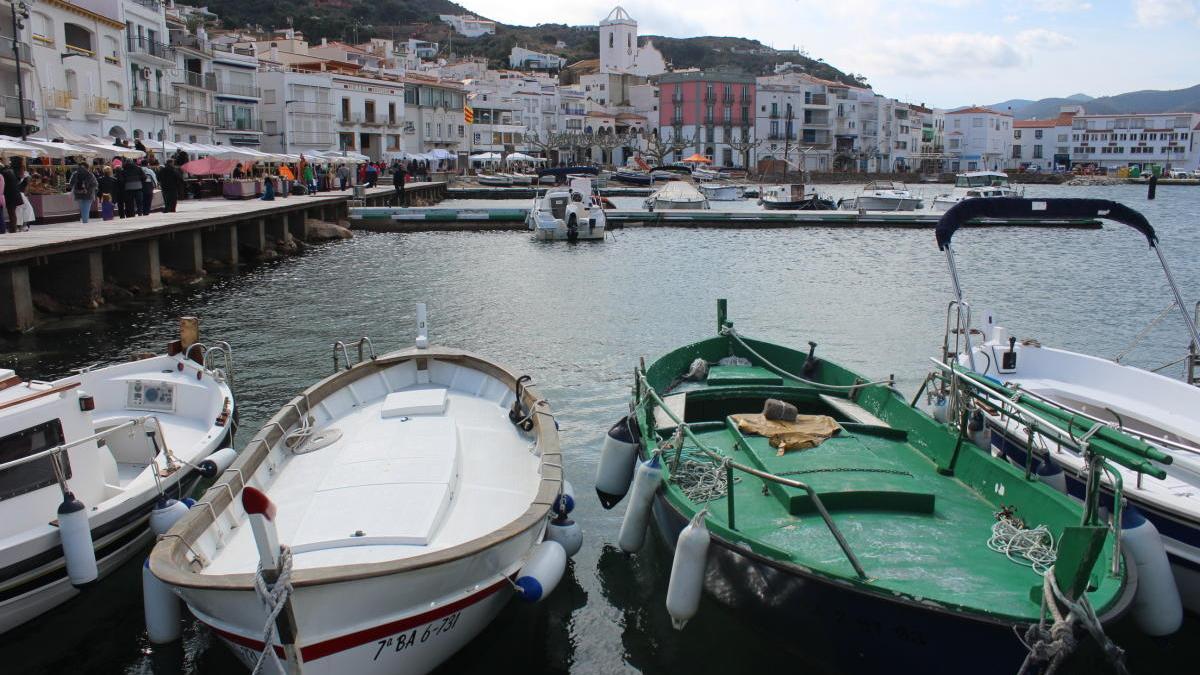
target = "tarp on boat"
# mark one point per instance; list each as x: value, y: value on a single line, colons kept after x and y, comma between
x: 807, y: 431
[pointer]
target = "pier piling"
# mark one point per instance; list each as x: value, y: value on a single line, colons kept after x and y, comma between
x: 16, y: 298
x: 75, y: 279
x: 252, y: 235
x: 183, y: 252
x: 221, y: 244
x: 135, y: 264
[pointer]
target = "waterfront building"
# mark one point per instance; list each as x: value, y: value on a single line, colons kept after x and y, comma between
x: 1043, y: 145
x: 978, y: 139
x: 711, y: 111
x: 619, y: 49
x: 193, y: 80
x: 80, y: 68
x: 238, y: 119
x: 150, y: 60
x: 433, y: 115
x: 468, y: 25
x: 297, y: 110
x: 522, y: 58
x: 10, y: 104
x: 1166, y: 140
x: 793, y: 121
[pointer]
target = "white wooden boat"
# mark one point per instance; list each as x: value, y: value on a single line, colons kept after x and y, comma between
x: 87, y: 461
x: 403, y: 500
x: 883, y: 195
x: 494, y: 179
x: 722, y: 192
x: 676, y: 194
x: 568, y: 213
x: 521, y: 178
x: 976, y: 185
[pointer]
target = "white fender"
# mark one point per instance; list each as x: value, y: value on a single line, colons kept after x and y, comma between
x: 165, y: 514
x: 687, y: 572
x: 1157, y: 608
x: 566, y: 500
x: 217, y: 462
x: 617, y: 457
x: 941, y: 410
x: 633, y: 526
x: 161, y: 608
x: 542, y: 571
x: 566, y: 532
x: 76, y: 536
x: 1050, y: 473
x: 982, y: 439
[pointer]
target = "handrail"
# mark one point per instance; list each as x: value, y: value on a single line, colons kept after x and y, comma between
x: 225, y: 350
x: 728, y: 330
x: 58, y: 449
x: 346, y: 354
x: 729, y: 463
x: 36, y: 395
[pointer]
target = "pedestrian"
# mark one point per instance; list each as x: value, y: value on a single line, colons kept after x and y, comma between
x: 343, y: 176
x: 170, y: 179
x: 107, y: 185
x: 8, y: 182
x: 398, y: 176
x: 83, y: 188
x: 310, y: 178
x: 131, y: 180
x: 238, y: 172
x: 149, y: 182
x: 372, y: 174
x: 14, y: 192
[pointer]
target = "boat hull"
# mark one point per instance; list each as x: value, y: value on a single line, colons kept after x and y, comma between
x: 805, y: 205
x: 871, y: 203
x: 845, y: 628
x: 399, y: 623
x: 1181, y: 534
x: 639, y: 179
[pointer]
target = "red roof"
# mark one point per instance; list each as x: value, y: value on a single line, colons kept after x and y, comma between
x: 978, y: 109
x: 1063, y: 120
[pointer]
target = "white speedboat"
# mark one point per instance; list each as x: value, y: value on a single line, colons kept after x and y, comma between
x: 702, y: 173
x: 793, y: 197
x: 722, y: 192
x: 90, y: 464
x: 568, y: 213
x: 976, y: 185
x: 389, y: 512
x: 1159, y: 410
x: 883, y: 195
x: 677, y: 195
x: 494, y: 179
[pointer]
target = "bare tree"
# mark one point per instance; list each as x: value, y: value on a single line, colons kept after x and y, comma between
x: 744, y: 145
x: 658, y: 149
x: 536, y: 141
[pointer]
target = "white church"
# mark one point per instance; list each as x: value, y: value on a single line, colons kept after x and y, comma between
x: 619, y: 51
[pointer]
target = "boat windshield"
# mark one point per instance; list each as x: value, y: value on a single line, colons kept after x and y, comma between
x: 982, y: 180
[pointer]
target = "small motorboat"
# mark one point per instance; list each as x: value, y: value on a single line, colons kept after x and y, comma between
x: 561, y: 174
x: 632, y: 177
x: 676, y: 195
x: 93, y: 466
x: 793, y: 198
x: 494, y: 179
x: 707, y: 174
x: 722, y: 192
x: 568, y: 213
x: 785, y: 482
x: 883, y: 195
x: 386, y: 514
x: 976, y: 185
x: 521, y: 178
x: 1160, y: 410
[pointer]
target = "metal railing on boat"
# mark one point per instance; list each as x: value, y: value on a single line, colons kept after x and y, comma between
x: 729, y: 465
x: 342, y: 347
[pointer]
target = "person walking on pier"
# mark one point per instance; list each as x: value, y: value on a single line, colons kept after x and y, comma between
x: 131, y: 182
x: 372, y: 174
x: 171, y: 181
x: 83, y: 188
x: 149, y: 182
x: 343, y: 176
x: 398, y: 176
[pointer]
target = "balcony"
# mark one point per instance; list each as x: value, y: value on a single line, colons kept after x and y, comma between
x: 235, y: 124
x: 781, y: 136
x: 196, y: 117
x: 206, y: 81
x: 155, y: 102
x: 149, y: 4
x: 12, y: 108
x: 710, y: 96
x: 727, y: 98
x: 185, y: 41
x: 818, y: 99
x: 244, y: 90
x: 143, y: 46
x: 6, y: 49
x: 58, y: 102
x: 366, y: 120
x: 96, y: 107
x: 774, y: 115
x: 314, y: 108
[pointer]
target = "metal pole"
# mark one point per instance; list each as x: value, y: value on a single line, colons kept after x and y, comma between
x: 1191, y: 326
x: 17, y: 57
x: 958, y: 294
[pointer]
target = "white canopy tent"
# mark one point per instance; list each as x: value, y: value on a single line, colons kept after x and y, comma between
x: 15, y: 148
x: 486, y: 157
x: 522, y: 157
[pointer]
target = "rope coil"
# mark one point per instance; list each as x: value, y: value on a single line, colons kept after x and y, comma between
x: 1032, y: 547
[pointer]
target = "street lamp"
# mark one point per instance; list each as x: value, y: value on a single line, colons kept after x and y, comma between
x: 21, y: 10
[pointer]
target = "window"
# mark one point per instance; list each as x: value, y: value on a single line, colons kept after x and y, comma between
x: 1037, y: 152
x: 41, y: 28
x: 953, y: 143
x: 36, y: 474
x: 268, y: 96
x: 72, y: 84
x: 1016, y: 153
x: 1017, y: 134
x: 977, y: 122
x: 78, y: 39
x: 270, y: 127
x: 429, y: 130
x: 1038, y: 134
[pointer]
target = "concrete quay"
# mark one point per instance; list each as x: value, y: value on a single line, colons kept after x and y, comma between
x: 71, y: 262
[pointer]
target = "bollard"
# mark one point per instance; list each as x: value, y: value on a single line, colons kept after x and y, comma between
x: 1153, y: 187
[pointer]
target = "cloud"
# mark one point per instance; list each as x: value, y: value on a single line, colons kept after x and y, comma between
x: 1154, y: 13
x: 1058, y: 6
x: 1047, y: 40
x: 934, y: 53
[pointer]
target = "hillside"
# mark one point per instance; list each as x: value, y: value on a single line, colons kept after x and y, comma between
x: 347, y: 19
x: 1145, y: 101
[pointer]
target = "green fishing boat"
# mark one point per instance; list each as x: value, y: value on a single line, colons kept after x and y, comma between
x: 861, y: 527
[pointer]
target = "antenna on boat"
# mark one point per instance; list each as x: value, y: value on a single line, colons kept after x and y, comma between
x: 422, y: 327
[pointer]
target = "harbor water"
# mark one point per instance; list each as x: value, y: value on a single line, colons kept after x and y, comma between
x: 577, y: 318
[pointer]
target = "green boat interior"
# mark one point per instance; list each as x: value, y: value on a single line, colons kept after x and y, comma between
x: 914, y: 504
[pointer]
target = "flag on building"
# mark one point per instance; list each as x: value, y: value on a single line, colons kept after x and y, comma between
x: 468, y: 113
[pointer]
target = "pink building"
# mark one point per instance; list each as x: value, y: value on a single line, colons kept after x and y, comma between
x: 708, y: 109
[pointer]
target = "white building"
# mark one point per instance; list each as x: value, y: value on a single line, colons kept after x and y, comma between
x: 433, y: 115
x: 1166, y: 140
x: 80, y: 71
x: 468, y: 25
x: 10, y: 105
x: 193, y: 81
x: 978, y: 139
x: 152, y: 67
x: 235, y: 68
x: 1043, y: 145
x: 793, y: 121
x: 526, y: 59
x: 369, y: 114
x: 297, y: 109
x: 619, y: 50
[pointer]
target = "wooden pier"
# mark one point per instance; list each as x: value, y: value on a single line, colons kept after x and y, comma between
x: 70, y: 262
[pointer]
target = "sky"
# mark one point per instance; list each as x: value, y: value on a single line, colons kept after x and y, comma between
x: 943, y: 53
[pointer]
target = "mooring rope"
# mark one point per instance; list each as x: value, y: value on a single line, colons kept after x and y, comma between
x: 1051, y: 645
x: 780, y: 371
x: 700, y: 481
x: 1032, y: 547
x: 274, y: 598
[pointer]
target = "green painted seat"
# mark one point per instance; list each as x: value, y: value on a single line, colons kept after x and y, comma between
x: 719, y: 376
